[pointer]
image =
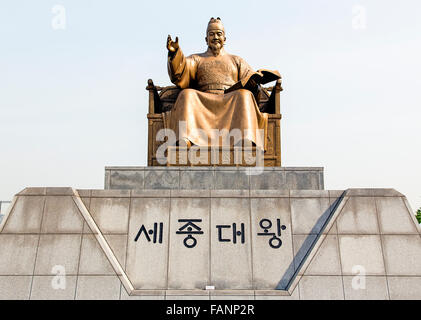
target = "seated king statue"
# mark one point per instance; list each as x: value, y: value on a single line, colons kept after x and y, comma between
x: 203, y: 103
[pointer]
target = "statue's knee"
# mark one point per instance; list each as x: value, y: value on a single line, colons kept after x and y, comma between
x: 244, y: 93
x: 243, y: 96
x: 187, y: 93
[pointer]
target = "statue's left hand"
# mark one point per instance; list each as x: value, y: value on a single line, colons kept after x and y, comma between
x: 171, y: 45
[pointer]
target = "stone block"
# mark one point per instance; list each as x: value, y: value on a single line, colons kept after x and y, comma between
x: 231, y: 180
x: 36, y: 191
x: 185, y: 297
x: 332, y: 231
x: 373, y: 192
x: 147, y: 262
x: 86, y: 228
x: 294, y: 296
x: 196, y: 179
x: 17, y: 254
x: 61, y: 215
x: 232, y: 297
x: 359, y: 192
x: 386, y: 193
x: 335, y: 193
x: 274, y: 215
x: 151, y: 193
x: 358, y: 217
x: 186, y: 292
x: 127, y: 179
x: 229, y: 292
x: 60, y: 191
x: 195, y: 193
x: 118, y: 245
x: 84, y: 193
x: 45, y: 288
x: 110, y: 193
x: 215, y: 178
x: 268, y: 180
x: 269, y: 193
x: 110, y: 214
x: 162, y: 179
x: 309, y: 215
x: 361, y: 250
x: 404, y: 288
x: 321, y: 288
x: 150, y: 296
x: 58, y: 250
x: 402, y: 254
x: 394, y: 216
x: 86, y: 202
x: 373, y: 288
x: 25, y: 216
x: 302, y: 180
x: 326, y: 260
x: 230, y: 193
x: 189, y: 259
x: 92, y: 259
x: 107, y: 179
x: 231, y: 263
x: 336, y: 205
x: 98, y: 288
x: 309, y: 193
x: 15, y: 287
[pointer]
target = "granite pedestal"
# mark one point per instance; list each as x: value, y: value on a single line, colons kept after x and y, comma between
x: 214, y: 178
x: 129, y: 244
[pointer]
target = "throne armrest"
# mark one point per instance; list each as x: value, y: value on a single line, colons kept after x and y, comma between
x: 161, y: 99
x: 270, y: 103
x: 155, y: 105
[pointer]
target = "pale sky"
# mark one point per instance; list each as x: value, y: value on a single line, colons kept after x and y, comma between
x: 73, y: 100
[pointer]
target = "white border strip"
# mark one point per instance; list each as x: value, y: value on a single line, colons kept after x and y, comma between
x: 103, y: 243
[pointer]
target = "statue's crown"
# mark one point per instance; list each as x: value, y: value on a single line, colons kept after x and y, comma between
x: 215, y: 24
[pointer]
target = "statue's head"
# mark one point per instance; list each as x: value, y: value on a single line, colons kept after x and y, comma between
x: 215, y: 35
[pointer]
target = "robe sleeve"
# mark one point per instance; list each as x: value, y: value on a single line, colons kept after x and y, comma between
x: 181, y: 69
x: 244, y: 68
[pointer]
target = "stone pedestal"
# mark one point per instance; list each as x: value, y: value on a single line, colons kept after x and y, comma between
x: 248, y: 244
x: 214, y: 178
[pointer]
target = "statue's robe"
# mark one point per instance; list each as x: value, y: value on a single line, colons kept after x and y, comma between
x: 202, y: 103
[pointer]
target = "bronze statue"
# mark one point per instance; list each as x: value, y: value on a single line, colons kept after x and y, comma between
x: 209, y: 100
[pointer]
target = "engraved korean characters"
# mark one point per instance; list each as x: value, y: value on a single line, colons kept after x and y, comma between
x: 234, y: 232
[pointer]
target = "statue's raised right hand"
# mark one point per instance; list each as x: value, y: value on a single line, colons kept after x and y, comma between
x: 171, y: 45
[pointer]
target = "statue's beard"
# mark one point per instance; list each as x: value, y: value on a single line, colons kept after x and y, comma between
x: 215, y: 47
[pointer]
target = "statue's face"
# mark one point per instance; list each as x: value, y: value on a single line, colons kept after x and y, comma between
x: 216, y: 39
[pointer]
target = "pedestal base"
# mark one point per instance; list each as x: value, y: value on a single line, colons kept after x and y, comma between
x: 214, y: 178
x: 248, y: 244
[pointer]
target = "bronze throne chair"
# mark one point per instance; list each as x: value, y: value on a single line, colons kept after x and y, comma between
x: 162, y: 99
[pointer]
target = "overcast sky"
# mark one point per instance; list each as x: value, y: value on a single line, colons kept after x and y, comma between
x: 73, y: 98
